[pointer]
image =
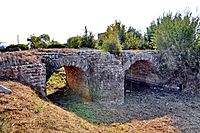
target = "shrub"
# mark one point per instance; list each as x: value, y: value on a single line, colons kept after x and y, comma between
x: 112, y: 44
x: 74, y: 42
x: 56, y: 46
x: 17, y: 47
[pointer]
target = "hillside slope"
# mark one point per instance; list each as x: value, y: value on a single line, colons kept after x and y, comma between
x: 24, y: 111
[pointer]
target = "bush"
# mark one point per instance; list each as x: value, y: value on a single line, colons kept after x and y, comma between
x: 112, y: 44
x: 17, y: 47
x: 56, y: 46
x: 74, y: 42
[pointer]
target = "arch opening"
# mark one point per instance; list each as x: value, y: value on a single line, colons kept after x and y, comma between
x: 68, y: 82
x: 141, y: 76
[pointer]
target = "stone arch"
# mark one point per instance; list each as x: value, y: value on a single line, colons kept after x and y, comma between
x: 134, y: 57
x: 139, y: 74
x: 54, y: 64
x: 76, y: 70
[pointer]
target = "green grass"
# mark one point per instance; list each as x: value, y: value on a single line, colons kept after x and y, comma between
x: 39, y: 108
x: 3, y: 124
x: 85, y: 111
x: 56, y: 81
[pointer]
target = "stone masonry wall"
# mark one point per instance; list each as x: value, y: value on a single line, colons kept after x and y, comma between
x: 33, y: 75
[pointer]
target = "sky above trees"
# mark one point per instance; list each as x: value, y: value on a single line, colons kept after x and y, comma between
x: 62, y: 19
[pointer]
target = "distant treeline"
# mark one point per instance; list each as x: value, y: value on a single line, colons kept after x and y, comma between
x: 168, y: 29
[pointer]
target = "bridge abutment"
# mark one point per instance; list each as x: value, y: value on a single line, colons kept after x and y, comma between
x: 33, y: 75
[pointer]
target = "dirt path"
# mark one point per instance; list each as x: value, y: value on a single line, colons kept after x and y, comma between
x: 184, y: 109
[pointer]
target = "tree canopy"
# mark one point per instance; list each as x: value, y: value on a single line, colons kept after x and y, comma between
x: 176, y: 37
x: 42, y: 41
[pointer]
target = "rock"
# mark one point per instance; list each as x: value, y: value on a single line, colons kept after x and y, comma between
x: 5, y: 90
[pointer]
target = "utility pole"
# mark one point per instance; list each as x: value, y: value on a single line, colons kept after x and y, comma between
x: 17, y: 39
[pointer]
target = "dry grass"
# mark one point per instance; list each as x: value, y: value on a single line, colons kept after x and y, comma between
x: 24, y: 111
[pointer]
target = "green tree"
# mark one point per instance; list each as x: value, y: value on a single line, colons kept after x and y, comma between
x: 56, y: 44
x: 88, y: 39
x: 198, y: 39
x: 111, y: 43
x: 131, y: 41
x: 148, y: 37
x: 74, y: 42
x: 42, y: 41
x: 135, y: 32
x: 119, y: 29
x: 175, y: 38
x: 33, y: 41
x: 16, y: 47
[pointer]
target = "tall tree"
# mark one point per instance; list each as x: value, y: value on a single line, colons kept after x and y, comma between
x: 88, y: 39
x: 74, y: 42
x: 135, y: 32
x: 148, y: 37
x: 130, y: 39
x: 33, y: 41
x: 119, y: 28
x: 41, y: 41
x: 111, y: 42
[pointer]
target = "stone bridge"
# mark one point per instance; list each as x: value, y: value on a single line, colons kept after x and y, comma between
x: 94, y: 75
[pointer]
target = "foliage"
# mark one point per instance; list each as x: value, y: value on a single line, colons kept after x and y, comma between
x: 88, y: 39
x: 42, y: 41
x: 135, y: 32
x: 148, y: 37
x: 55, y: 44
x: 175, y: 38
x: 56, y: 81
x: 74, y: 42
x: 20, y: 46
x: 198, y: 40
x: 85, y: 41
x: 15, y: 47
x: 3, y: 123
x: 39, y: 108
x: 130, y: 39
x: 111, y: 43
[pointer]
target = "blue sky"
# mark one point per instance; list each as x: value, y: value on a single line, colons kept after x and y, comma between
x: 62, y: 19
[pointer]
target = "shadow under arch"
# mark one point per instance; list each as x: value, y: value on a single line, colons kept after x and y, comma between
x: 139, y: 74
